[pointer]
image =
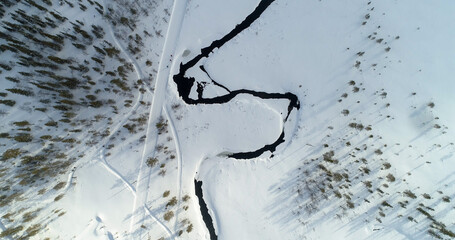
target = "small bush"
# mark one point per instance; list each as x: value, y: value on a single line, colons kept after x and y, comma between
x: 337, y: 177
x: 33, y: 230
x: 442, y: 229
x: 91, y: 97
x: 28, y: 216
x: 69, y: 140
x: 172, y: 202
x: 96, y: 104
x: 390, y: 177
x: 11, y: 231
x: 357, y: 126
x: 345, y: 112
x: 386, y: 204
x: 425, y: 213
x: 409, y: 194
x: 4, y: 135
x: 23, y: 137
x: 426, y: 196
x: 434, y: 234
x: 22, y: 123
x: 34, y: 159
x: 328, y: 157
x: 11, y: 153
x: 42, y: 191
x: 122, y: 85
x: 112, y: 51
x: 387, y: 165
x: 46, y: 137
x: 152, y: 161
x: 58, y: 197
x: 186, y: 198
x: 20, y: 91
x: 161, y: 125
x: 62, y: 107
x: 189, y: 228
x: 51, y: 124
x: 8, y: 102
x: 59, y: 185
x: 166, y: 193
x: 175, y: 106
x: 168, y: 215
x: 131, y: 128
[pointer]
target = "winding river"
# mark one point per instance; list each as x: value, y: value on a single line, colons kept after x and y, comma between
x: 185, y: 84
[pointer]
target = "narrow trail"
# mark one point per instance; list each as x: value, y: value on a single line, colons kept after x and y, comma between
x: 136, y: 67
x: 69, y: 181
x: 114, y: 172
x: 168, y: 231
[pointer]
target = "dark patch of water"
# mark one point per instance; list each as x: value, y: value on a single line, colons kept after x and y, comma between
x: 185, y: 84
x: 204, y: 210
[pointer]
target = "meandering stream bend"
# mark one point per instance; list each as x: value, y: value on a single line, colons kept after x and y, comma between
x: 185, y: 85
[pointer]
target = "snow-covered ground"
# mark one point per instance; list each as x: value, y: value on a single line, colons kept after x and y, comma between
x: 369, y: 154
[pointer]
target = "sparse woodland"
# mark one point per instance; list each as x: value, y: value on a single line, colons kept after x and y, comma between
x: 66, y: 83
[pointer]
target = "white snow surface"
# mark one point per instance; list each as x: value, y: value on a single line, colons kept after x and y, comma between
x: 308, y: 48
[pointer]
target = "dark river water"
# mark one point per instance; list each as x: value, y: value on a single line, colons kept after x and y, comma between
x: 185, y: 84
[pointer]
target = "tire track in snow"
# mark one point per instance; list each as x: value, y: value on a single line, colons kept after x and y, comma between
x: 139, y: 179
x: 136, y: 67
x: 114, y: 172
x: 135, y: 106
x: 179, y: 162
x: 173, y: 32
x: 146, y: 209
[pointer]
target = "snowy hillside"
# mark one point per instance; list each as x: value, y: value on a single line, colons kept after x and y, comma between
x: 203, y: 119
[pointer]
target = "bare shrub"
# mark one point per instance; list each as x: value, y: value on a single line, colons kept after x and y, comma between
x: 168, y: 215
x: 152, y: 161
